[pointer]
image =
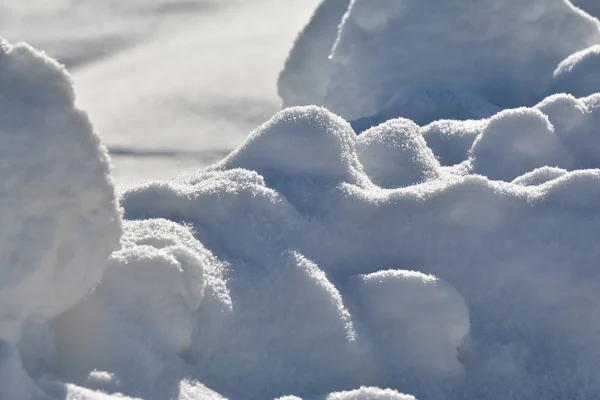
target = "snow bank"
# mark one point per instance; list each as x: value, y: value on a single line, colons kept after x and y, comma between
x: 141, y: 317
x: 429, y: 61
x: 317, y: 254
x: 58, y: 214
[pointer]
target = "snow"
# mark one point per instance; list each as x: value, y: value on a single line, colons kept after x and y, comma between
x: 58, y: 212
x: 369, y: 393
x: 507, y: 288
x: 171, y: 85
x: 515, y: 142
x: 577, y: 74
x: 395, y: 154
x: 501, y: 53
x: 345, y: 252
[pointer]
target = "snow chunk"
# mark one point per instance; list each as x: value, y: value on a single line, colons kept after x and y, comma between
x: 59, y: 219
x: 515, y: 142
x: 394, y: 154
x: 579, y: 74
x: 417, y: 323
x: 385, y: 46
x: 323, y: 143
x: 369, y: 393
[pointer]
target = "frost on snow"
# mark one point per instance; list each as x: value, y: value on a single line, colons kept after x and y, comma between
x: 453, y: 260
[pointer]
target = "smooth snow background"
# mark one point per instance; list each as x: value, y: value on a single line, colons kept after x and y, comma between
x: 171, y: 85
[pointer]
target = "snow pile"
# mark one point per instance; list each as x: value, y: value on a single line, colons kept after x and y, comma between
x: 319, y: 260
x: 427, y: 60
x: 394, y: 154
x: 58, y: 214
x: 451, y: 140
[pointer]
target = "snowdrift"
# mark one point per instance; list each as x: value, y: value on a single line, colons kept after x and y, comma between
x: 453, y: 260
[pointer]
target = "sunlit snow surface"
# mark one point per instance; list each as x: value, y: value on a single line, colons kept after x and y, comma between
x: 428, y: 258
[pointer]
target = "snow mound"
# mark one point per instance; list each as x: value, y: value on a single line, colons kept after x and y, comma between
x: 451, y: 140
x: 290, y: 321
x: 414, y: 318
x: 539, y: 176
x: 323, y: 143
x: 369, y: 393
x: 59, y: 219
x: 394, y: 154
x: 592, y: 7
x: 483, y: 48
x: 579, y: 73
x: 515, y: 142
x: 142, y: 315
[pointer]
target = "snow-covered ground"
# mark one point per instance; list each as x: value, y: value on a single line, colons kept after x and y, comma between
x: 422, y: 223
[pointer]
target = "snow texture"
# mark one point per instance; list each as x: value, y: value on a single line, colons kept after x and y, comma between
x: 59, y: 219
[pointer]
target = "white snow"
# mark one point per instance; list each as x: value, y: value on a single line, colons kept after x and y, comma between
x: 58, y: 214
x: 502, y: 53
x: 322, y: 258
